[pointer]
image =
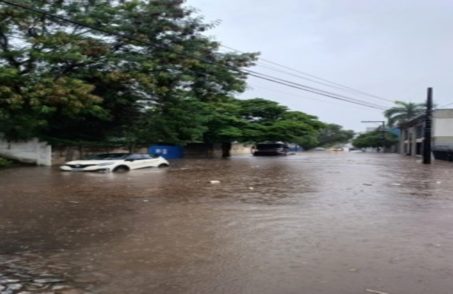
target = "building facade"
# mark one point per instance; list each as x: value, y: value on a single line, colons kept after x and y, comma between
x: 413, y: 131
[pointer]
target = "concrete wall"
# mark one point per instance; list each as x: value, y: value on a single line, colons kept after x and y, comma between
x: 203, y: 150
x: 240, y: 149
x: 443, y: 141
x: 443, y: 127
x: 443, y: 134
x: 32, y: 151
x: 206, y: 150
x: 443, y: 113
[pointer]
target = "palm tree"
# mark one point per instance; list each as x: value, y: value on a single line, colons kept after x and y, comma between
x: 403, y: 111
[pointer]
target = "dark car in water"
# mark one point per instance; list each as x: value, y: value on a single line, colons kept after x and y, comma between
x: 269, y: 149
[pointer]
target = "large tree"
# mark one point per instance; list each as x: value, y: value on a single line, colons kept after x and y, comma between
x: 62, y: 79
x: 256, y: 120
x: 403, y: 111
x: 270, y: 121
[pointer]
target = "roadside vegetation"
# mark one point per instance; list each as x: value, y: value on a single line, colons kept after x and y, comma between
x: 5, y: 162
x: 400, y: 113
x: 333, y: 134
x: 133, y: 72
x: 376, y: 139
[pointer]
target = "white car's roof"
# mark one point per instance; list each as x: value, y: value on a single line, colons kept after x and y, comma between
x: 85, y: 162
x: 111, y: 157
x: 108, y: 156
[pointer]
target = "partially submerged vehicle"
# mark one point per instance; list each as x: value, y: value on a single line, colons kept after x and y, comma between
x: 319, y: 149
x: 270, y: 149
x: 115, y: 162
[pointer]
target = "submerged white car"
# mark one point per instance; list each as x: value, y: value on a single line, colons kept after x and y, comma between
x: 115, y: 162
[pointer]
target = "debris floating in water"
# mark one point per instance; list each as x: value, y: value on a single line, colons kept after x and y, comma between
x: 375, y: 291
x: 214, y: 182
x: 47, y: 280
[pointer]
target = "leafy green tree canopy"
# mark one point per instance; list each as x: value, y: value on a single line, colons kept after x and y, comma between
x: 333, y: 134
x: 256, y: 120
x: 375, y: 139
x: 62, y: 79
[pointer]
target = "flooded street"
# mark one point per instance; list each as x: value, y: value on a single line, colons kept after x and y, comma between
x: 313, y: 223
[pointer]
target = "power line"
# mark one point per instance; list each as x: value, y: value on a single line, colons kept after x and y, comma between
x: 289, y: 94
x: 252, y: 73
x: 313, y: 78
x: 313, y: 90
x: 333, y: 83
x: 307, y: 89
x: 326, y: 95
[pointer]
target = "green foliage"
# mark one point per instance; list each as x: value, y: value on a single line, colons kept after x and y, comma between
x: 333, y: 134
x: 64, y: 81
x: 256, y: 120
x: 5, y: 162
x: 375, y: 139
x: 179, y: 122
x: 261, y: 110
x: 224, y: 123
x: 403, y: 111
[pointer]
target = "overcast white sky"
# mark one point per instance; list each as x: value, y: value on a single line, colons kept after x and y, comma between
x: 391, y: 48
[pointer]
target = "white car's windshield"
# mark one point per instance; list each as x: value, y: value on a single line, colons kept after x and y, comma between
x: 107, y: 156
x: 269, y: 146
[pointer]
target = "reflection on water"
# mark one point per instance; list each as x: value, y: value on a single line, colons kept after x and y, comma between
x: 315, y: 223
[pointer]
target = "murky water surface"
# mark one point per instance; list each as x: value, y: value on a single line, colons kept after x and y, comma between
x: 315, y: 223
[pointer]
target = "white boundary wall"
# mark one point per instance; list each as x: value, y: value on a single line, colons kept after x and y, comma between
x: 32, y: 151
x: 443, y: 127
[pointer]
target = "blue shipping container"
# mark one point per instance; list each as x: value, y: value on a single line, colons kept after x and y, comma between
x: 166, y: 151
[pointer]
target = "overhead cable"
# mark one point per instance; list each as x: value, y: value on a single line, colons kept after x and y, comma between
x: 322, y: 93
x: 313, y: 90
x: 313, y: 78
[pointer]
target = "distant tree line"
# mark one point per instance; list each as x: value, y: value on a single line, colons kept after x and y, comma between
x: 375, y: 139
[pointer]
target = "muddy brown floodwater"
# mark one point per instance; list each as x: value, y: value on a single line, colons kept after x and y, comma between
x: 312, y: 223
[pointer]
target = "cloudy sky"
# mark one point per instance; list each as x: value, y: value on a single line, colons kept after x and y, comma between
x: 392, y: 49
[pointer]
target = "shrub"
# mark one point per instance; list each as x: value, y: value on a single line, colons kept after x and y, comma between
x: 5, y: 162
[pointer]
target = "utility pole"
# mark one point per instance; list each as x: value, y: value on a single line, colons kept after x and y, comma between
x: 428, y: 128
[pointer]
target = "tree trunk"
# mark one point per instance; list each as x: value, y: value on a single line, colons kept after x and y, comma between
x: 226, y: 148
